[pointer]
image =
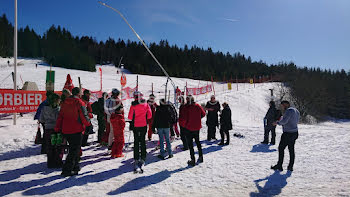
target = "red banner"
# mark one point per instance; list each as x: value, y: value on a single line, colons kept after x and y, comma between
x: 20, y: 101
x: 198, y: 91
x: 128, y: 93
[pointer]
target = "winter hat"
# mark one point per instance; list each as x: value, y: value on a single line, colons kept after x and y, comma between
x: 115, y: 91
x: 66, y: 92
x: 76, y: 91
x: 86, y: 91
x: 137, y: 94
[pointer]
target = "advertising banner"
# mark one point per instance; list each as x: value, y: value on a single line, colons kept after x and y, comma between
x: 198, y: 91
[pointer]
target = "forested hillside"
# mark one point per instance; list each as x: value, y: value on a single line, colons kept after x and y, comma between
x: 315, y: 92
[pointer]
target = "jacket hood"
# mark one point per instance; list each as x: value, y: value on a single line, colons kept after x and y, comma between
x: 70, y: 100
x: 138, y: 102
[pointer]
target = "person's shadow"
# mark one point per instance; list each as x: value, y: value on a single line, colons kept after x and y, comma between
x: 273, y: 186
x: 144, y: 181
x: 21, y: 153
x: 262, y: 148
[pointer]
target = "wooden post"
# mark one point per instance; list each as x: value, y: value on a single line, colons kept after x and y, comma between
x: 212, y: 82
x: 254, y: 81
x: 79, y: 83
x: 152, y: 88
x: 237, y: 82
x: 137, y: 82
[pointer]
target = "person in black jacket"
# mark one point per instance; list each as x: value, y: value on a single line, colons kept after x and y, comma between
x: 98, y: 109
x: 270, y: 117
x: 162, y: 122
x: 213, y: 107
x: 225, y: 123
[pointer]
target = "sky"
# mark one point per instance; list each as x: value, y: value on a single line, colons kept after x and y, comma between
x: 313, y: 33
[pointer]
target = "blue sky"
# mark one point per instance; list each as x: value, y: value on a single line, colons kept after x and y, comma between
x: 314, y: 33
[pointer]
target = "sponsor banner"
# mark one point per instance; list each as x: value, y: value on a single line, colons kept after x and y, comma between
x: 198, y: 91
x: 95, y: 95
x: 127, y: 93
x: 20, y: 101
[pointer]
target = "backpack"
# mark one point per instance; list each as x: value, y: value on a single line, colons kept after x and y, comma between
x: 95, y: 108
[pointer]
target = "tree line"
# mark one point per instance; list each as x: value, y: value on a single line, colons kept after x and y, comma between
x: 316, y: 92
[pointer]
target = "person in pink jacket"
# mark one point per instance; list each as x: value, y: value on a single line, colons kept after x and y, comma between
x: 139, y: 113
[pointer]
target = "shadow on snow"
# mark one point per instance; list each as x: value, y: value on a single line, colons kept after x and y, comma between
x: 145, y: 181
x: 262, y: 148
x: 25, y: 152
x: 273, y: 186
x: 81, y: 179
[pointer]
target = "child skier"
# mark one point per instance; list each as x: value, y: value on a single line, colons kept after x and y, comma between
x: 118, y: 123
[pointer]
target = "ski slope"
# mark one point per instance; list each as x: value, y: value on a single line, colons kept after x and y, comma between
x: 322, y: 166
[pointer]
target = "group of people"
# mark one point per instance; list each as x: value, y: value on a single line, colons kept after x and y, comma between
x: 70, y: 116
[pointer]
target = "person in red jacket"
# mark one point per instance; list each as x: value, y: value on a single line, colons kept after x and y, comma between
x: 153, y: 105
x: 183, y: 113
x: 69, y: 84
x: 88, y: 129
x: 71, y: 121
x: 118, y: 123
x: 139, y: 113
x: 193, y: 125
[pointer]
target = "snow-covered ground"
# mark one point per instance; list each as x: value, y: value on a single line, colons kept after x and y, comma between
x: 322, y: 166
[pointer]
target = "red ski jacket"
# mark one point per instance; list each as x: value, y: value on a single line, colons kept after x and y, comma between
x: 183, y: 113
x: 139, y: 112
x: 73, y: 116
x: 195, y: 113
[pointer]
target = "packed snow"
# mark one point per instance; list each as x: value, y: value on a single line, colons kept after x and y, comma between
x: 239, y: 169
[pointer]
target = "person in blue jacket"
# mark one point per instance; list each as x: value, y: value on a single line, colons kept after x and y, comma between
x: 37, y: 117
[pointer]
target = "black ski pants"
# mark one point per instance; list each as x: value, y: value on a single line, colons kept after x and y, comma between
x: 222, y: 133
x: 183, y: 133
x: 72, y: 160
x: 140, y: 142
x: 267, y: 132
x: 190, y: 136
x: 287, y: 139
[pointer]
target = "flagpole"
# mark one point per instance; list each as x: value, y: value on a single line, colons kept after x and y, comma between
x: 15, y: 59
